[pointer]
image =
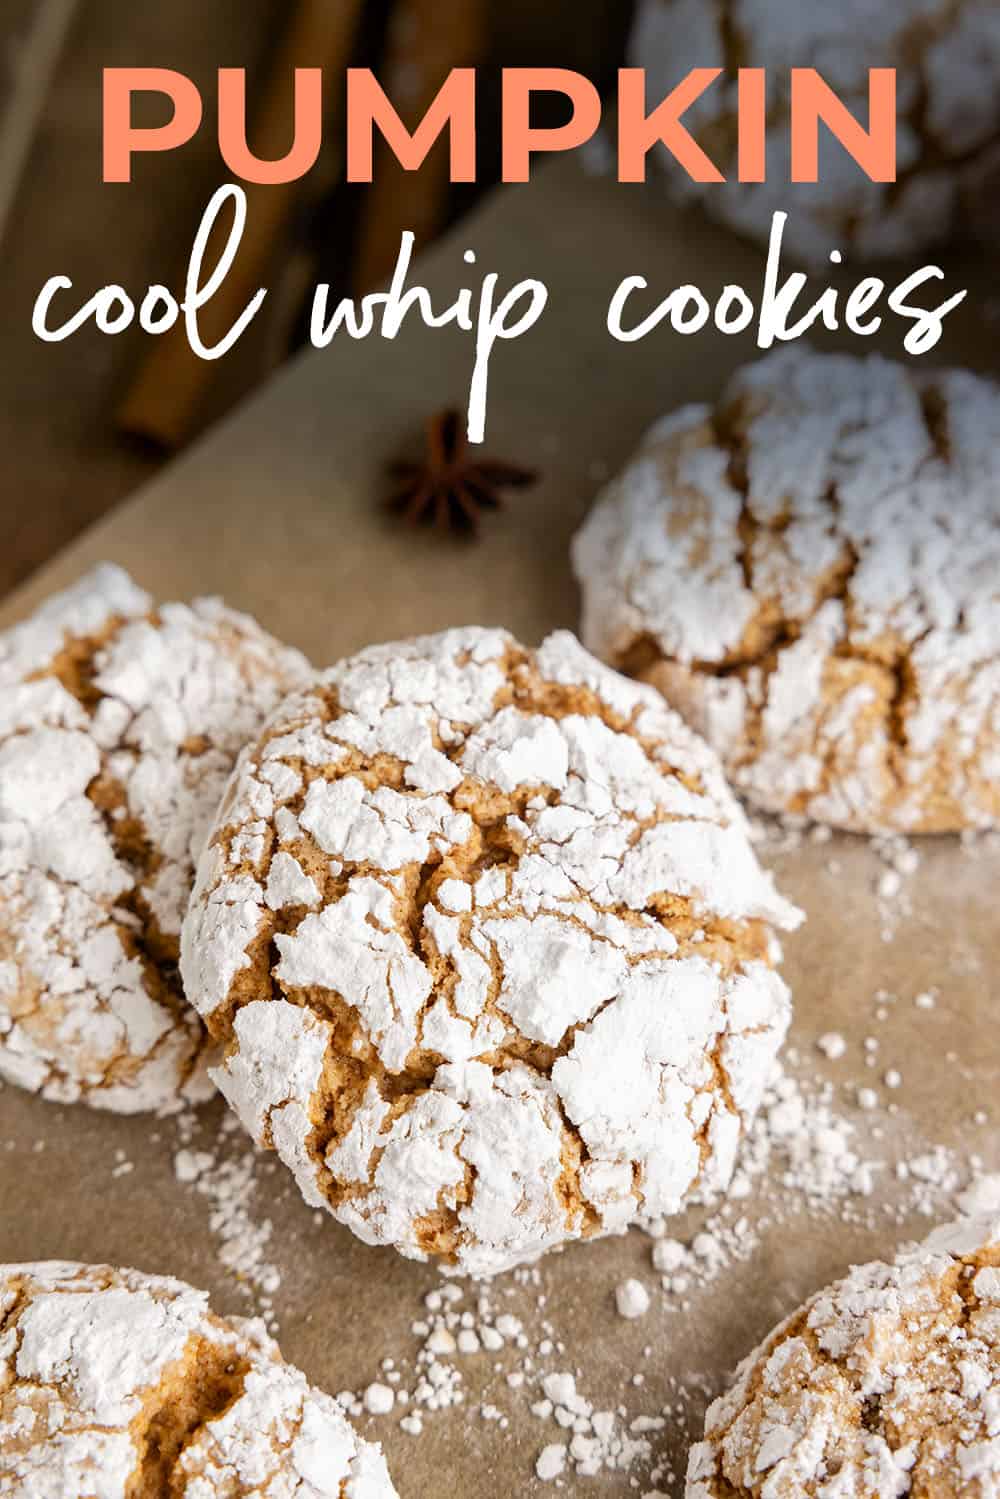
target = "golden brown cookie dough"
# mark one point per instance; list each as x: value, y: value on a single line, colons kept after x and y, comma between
x: 810, y: 572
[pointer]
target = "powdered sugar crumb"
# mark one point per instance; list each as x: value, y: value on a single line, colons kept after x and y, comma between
x: 227, y: 1180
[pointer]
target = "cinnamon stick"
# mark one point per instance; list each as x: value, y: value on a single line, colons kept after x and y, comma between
x: 34, y: 70
x: 164, y: 402
x: 427, y: 38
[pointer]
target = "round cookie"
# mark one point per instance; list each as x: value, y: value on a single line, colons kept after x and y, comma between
x: 886, y: 1384
x: 810, y: 572
x: 946, y: 56
x: 119, y: 726
x: 489, y: 949
x: 125, y: 1386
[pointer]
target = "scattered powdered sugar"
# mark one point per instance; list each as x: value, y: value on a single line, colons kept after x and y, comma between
x: 379, y: 1399
x: 227, y: 1179
x: 901, y: 861
x: 804, y: 1157
x: 597, y: 1440
x: 458, y: 1329
x: 632, y: 1299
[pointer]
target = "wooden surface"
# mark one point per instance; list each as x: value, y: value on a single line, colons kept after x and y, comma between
x: 278, y: 509
x: 61, y: 462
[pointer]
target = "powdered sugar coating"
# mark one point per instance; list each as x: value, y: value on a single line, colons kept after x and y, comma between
x: 522, y: 983
x: 119, y: 1385
x: 886, y: 1384
x: 946, y: 57
x: 810, y: 572
x: 119, y: 725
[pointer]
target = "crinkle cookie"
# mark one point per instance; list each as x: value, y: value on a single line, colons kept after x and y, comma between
x: 886, y: 1384
x: 118, y: 1385
x: 119, y: 726
x: 946, y: 54
x: 810, y: 572
x: 489, y: 949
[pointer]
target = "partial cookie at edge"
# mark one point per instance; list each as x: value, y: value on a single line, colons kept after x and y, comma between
x: 119, y: 725
x: 887, y: 1383
x: 945, y: 59
x: 127, y: 1386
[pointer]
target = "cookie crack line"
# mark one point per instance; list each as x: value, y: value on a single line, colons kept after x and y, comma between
x: 176, y: 1420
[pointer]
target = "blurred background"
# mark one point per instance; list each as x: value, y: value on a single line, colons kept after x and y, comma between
x: 83, y: 422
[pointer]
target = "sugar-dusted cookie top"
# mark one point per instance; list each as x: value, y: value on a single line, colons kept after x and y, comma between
x: 119, y: 724
x: 945, y: 55
x: 810, y: 572
x: 126, y: 1386
x: 886, y: 1384
x: 488, y: 948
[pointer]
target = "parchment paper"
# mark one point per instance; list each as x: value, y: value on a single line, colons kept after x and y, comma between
x: 278, y: 510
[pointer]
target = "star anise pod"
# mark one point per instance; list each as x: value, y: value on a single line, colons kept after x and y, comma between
x: 453, y: 485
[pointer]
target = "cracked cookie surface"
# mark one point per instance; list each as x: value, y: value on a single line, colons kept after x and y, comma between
x: 886, y: 1384
x: 946, y: 57
x: 488, y: 947
x: 119, y: 1385
x: 119, y: 725
x: 810, y: 573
